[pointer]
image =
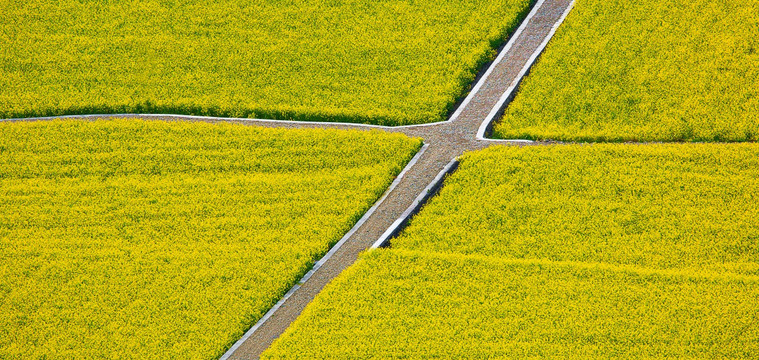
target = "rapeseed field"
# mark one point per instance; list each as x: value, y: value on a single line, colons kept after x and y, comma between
x: 164, y: 240
x: 384, y: 62
x: 667, y: 206
x: 618, y: 70
x: 400, y: 304
x: 575, y: 251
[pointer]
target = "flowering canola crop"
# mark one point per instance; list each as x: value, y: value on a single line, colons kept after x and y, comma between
x: 595, y: 251
x: 654, y: 206
x: 384, y: 62
x: 401, y: 304
x: 646, y: 70
x: 154, y: 240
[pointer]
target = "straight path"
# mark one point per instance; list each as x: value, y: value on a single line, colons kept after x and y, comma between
x: 446, y: 141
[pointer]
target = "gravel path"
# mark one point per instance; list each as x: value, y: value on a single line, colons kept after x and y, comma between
x: 446, y: 141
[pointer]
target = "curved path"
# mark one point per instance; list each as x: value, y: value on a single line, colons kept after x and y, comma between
x: 445, y: 141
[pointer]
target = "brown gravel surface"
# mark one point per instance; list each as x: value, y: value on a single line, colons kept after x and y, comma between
x: 446, y: 141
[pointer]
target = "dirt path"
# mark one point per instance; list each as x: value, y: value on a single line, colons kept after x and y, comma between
x: 446, y: 141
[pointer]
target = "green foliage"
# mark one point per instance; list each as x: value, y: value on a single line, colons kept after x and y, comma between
x: 619, y: 70
x: 155, y: 240
x: 383, y: 62
x: 657, y: 206
x: 407, y: 304
x: 594, y: 251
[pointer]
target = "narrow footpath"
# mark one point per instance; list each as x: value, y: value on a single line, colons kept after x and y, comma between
x: 445, y: 141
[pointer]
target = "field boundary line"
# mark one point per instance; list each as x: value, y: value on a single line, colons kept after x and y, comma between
x: 686, y: 273
x: 327, y: 256
x: 428, y: 192
x: 511, y: 91
x: 201, y: 117
x: 318, y: 124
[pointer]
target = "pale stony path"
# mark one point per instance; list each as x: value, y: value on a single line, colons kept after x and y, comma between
x: 446, y: 141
